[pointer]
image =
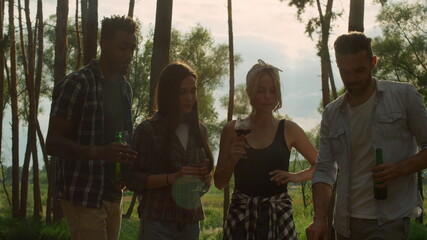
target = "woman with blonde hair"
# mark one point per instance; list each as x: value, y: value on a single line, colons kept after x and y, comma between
x: 260, y: 163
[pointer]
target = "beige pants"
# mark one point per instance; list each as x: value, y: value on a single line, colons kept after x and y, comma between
x: 93, y: 223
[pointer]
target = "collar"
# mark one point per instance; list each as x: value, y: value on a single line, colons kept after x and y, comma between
x: 96, y: 69
x: 379, y: 91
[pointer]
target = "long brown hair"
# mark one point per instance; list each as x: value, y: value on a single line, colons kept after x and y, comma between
x: 167, y: 103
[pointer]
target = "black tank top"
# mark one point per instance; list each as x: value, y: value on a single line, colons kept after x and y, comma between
x: 252, y: 175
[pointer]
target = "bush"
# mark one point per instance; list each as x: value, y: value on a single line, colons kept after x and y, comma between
x: 24, y: 229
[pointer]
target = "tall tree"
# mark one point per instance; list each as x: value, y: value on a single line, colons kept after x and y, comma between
x: 32, y: 130
x: 3, y: 48
x: 84, y: 17
x: 79, y: 47
x: 59, y: 71
x: 161, y: 43
x: 14, y: 107
x: 131, y: 8
x: 231, y: 92
x: 60, y: 61
x: 320, y: 25
x: 91, y: 32
x: 356, y: 16
x: 28, y: 60
x: 38, y: 79
x: 134, y: 195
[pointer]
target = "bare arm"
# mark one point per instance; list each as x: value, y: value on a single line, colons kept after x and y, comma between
x: 322, y: 194
x: 296, y: 137
x: 230, y: 151
x: 60, y: 143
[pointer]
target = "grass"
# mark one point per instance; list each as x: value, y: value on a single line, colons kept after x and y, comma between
x: 211, y: 227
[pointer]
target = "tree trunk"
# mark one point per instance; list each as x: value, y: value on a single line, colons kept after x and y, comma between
x: 2, y: 65
x: 325, y: 63
x: 40, y: 46
x: 420, y: 219
x: 79, y: 47
x: 331, y: 75
x: 14, y: 108
x: 231, y: 93
x: 61, y: 40
x: 131, y: 206
x: 91, y: 44
x: 59, y: 72
x: 33, y: 112
x: 355, y: 20
x: 28, y: 65
x: 131, y: 8
x: 84, y: 17
x: 4, y: 184
x: 38, y: 78
x: 161, y: 43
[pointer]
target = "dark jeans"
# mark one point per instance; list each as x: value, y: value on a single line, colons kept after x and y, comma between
x: 261, y: 225
x: 155, y: 230
x: 368, y: 229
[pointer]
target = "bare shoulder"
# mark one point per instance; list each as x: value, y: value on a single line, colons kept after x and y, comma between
x: 293, y: 132
x: 292, y: 127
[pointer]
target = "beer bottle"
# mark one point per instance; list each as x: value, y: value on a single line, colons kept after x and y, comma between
x: 117, y: 166
x: 379, y: 193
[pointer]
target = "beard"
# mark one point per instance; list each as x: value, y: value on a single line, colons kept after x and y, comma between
x: 360, y: 88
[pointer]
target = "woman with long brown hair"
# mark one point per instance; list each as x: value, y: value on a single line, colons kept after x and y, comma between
x: 174, y: 164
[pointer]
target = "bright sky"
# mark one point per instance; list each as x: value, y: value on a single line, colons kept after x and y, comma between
x: 266, y: 29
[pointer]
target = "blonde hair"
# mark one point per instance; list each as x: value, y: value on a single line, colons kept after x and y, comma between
x: 255, y: 74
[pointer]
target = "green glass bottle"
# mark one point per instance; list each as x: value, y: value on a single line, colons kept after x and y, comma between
x: 118, y: 136
x: 379, y: 193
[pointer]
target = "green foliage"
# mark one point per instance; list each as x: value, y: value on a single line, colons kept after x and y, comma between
x: 241, y: 101
x: 49, y: 50
x: 417, y: 231
x: 129, y: 229
x: 24, y: 229
x: 198, y: 49
x: 402, y: 49
x: 313, y: 24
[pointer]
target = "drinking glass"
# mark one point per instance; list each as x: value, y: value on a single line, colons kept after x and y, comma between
x: 242, y: 128
x: 197, y: 157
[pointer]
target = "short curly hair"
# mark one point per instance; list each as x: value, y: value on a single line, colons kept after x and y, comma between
x: 110, y: 25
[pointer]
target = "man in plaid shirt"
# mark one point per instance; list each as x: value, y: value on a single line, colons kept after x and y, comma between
x: 88, y: 107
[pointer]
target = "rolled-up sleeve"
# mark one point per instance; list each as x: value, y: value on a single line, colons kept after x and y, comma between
x: 417, y: 117
x: 139, y: 171
x: 326, y: 166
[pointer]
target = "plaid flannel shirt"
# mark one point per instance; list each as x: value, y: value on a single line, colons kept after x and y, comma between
x: 174, y: 203
x: 244, y: 208
x: 78, y: 97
